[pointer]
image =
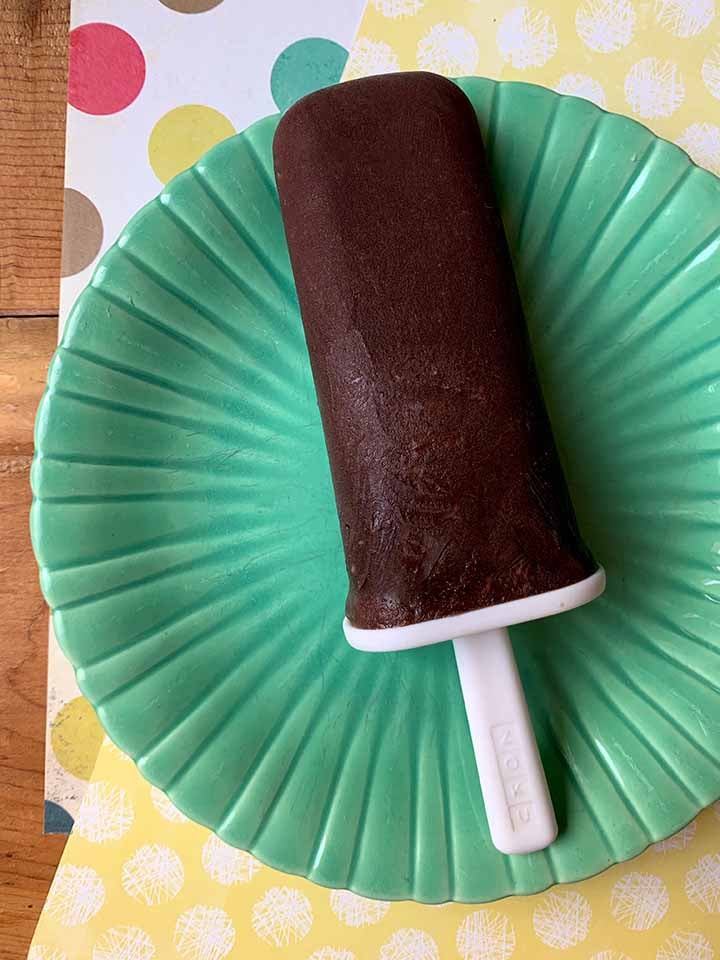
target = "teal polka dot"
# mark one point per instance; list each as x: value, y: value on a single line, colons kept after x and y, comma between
x: 305, y: 66
x: 57, y: 819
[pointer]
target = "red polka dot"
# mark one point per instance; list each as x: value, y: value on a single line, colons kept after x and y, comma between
x: 107, y: 69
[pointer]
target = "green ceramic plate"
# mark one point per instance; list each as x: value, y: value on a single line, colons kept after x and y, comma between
x: 185, y: 525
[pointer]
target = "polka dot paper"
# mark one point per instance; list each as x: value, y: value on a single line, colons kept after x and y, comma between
x: 655, y: 60
x: 138, y: 881
x: 152, y: 85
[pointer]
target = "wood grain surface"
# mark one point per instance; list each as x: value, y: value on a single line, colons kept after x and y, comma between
x: 33, y: 42
x: 33, y: 61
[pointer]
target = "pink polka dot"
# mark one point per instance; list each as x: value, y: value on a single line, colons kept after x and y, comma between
x: 107, y: 69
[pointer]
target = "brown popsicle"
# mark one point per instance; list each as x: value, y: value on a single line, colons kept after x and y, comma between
x: 448, y: 486
x: 455, y: 516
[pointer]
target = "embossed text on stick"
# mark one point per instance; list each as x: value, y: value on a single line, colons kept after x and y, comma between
x: 513, y: 774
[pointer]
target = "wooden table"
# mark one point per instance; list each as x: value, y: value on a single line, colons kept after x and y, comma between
x: 33, y: 43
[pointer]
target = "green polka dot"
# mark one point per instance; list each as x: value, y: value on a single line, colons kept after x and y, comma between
x: 305, y: 66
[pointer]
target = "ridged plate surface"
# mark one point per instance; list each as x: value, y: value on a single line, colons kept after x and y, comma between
x: 185, y: 525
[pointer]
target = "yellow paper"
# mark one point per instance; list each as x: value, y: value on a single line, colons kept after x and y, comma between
x: 138, y: 881
x: 658, y: 62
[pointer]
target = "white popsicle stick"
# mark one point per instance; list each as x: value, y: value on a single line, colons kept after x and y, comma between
x: 517, y: 801
x: 519, y: 810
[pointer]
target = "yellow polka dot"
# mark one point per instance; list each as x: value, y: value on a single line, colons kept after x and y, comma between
x: 76, y: 736
x: 182, y: 136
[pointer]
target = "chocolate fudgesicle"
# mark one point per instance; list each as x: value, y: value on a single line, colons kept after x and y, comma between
x: 455, y: 516
x: 448, y: 485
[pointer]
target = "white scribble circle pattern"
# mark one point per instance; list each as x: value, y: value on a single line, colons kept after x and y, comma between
x: 449, y: 49
x: 105, y: 813
x: 684, y: 18
x: 711, y: 72
x: 396, y: 9
x: 654, y: 88
x: 356, y: 911
x: 283, y: 916
x: 76, y: 895
x: 639, y: 901
x: 165, y: 807
x: 702, y: 883
x: 678, y: 841
x: 686, y: 946
x: 527, y: 37
x: 485, y: 935
x: 581, y: 85
x: 701, y: 142
x: 227, y: 865
x: 370, y: 57
x: 410, y: 944
x: 204, y: 933
x: 124, y: 943
x: 332, y: 953
x: 562, y: 920
x: 39, y: 952
x: 153, y: 875
x: 605, y: 25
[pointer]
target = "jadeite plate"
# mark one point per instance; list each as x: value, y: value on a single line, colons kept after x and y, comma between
x: 185, y: 525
